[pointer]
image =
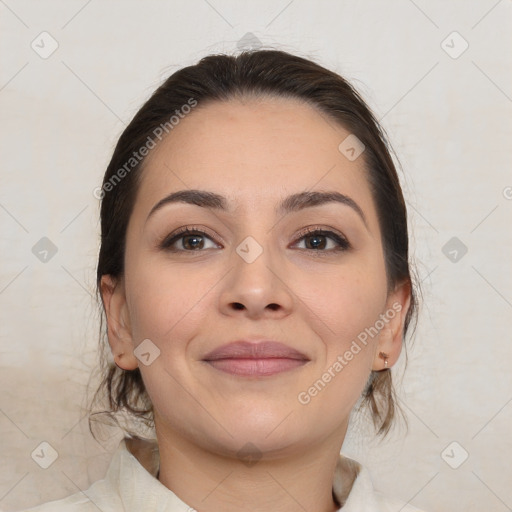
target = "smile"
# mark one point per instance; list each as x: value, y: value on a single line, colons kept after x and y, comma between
x: 256, y: 367
x: 255, y: 359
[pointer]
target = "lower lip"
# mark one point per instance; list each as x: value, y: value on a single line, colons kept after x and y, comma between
x: 256, y: 367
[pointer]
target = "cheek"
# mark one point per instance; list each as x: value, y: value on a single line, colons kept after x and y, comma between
x: 342, y: 311
x: 167, y: 301
x: 343, y: 302
x: 169, y: 306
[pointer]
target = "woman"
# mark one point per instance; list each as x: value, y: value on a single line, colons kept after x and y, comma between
x: 254, y: 273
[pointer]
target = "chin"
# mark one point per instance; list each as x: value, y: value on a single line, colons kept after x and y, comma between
x: 250, y: 444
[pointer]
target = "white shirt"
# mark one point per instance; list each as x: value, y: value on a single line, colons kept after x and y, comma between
x: 131, y: 485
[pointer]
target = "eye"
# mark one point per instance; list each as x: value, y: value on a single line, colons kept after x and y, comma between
x: 318, y: 239
x: 187, y: 240
x: 191, y: 239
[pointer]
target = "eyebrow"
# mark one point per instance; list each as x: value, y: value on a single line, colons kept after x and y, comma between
x: 293, y: 203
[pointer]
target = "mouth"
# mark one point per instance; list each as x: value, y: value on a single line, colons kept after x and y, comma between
x: 248, y: 359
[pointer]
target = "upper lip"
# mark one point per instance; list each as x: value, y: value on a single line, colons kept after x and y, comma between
x: 243, y: 349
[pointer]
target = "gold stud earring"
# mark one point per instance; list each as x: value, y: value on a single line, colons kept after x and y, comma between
x: 384, y: 356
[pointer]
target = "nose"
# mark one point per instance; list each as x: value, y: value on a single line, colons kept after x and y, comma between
x: 256, y: 289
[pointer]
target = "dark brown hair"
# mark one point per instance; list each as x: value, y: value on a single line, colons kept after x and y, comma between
x: 260, y: 73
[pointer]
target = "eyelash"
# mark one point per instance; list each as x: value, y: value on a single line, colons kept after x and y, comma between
x: 343, y: 243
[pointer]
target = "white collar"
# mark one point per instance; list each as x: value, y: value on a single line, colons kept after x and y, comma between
x: 134, y: 467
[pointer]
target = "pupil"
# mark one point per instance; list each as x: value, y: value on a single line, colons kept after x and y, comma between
x: 196, y: 238
x: 318, y: 238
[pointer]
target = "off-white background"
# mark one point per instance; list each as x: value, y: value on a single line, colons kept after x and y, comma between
x: 449, y: 120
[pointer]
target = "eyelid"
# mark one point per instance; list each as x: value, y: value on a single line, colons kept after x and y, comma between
x: 328, y: 232
x: 316, y: 228
x: 339, y: 238
x: 166, y: 241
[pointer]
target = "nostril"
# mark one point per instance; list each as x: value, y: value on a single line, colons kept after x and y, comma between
x: 273, y: 306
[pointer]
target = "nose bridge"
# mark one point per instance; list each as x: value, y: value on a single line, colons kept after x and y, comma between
x: 254, y: 284
x: 256, y: 237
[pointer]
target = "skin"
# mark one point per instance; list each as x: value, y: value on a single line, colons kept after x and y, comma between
x: 188, y: 302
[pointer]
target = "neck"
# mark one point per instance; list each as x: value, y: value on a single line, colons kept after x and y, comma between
x: 209, y: 481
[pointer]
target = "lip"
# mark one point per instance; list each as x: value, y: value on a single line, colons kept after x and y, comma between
x: 253, y: 359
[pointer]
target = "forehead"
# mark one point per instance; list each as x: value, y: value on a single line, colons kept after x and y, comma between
x: 254, y: 153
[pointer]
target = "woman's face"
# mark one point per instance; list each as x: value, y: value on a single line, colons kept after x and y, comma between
x: 254, y: 273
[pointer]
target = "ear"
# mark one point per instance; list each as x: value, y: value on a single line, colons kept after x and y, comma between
x: 389, y: 343
x: 118, y: 322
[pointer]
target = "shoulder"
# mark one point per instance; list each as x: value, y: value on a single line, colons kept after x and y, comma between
x: 102, y: 495
x: 75, y: 503
x: 364, y: 497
